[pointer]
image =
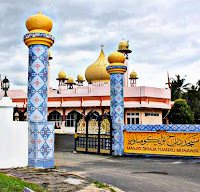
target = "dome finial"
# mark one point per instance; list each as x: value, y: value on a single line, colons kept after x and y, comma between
x: 39, y: 22
x: 102, y: 46
x: 116, y: 57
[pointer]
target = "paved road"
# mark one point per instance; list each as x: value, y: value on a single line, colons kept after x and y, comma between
x: 135, y: 173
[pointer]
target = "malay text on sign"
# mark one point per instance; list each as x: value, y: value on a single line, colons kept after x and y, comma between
x: 162, y: 143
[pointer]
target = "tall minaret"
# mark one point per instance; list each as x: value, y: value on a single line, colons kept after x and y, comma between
x: 41, y: 132
x: 124, y: 48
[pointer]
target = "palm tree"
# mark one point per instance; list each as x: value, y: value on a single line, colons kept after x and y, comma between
x: 198, y: 85
x: 178, y: 87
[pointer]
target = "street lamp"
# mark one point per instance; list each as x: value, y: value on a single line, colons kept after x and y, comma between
x: 5, y: 86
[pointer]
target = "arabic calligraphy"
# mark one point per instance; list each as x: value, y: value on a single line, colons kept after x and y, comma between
x: 162, y: 143
x: 170, y: 140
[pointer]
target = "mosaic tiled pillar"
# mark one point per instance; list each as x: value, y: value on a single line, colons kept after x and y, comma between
x: 41, y: 132
x: 41, y: 140
x: 116, y: 69
x: 41, y: 145
x: 37, y: 83
x: 117, y: 112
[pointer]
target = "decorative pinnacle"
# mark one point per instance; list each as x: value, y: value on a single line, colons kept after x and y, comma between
x: 39, y: 12
x: 102, y: 47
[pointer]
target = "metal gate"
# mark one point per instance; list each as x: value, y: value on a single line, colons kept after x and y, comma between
x: 93, y: 134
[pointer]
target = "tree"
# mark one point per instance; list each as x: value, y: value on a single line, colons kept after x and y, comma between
x: 193, y: 99
x: 178, y: 87
x: 181, y: 113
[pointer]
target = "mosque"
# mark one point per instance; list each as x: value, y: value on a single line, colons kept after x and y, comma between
x: 72, y: 98
x: 143, y: 105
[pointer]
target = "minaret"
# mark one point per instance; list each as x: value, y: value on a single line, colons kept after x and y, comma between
x: 133, y: 78
x: 41, y: 132
x: 124, y: 48
x: 62, y: 81
x: 116, y: 69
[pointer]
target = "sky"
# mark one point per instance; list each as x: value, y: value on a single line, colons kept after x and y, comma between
x: 163, y: 36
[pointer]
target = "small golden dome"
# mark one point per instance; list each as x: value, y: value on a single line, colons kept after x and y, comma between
x: 39, y: 21
x: 80, y: 78
x: 70, y: 79
x: 123, y: 45
x: 133, y: 75
x: 62, y: 75
x: 97, y: 71
x: 116, y: 57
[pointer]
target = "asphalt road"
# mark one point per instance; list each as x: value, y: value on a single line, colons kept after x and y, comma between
x: 134, y: 173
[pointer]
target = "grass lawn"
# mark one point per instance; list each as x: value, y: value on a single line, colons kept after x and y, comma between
x: 11, y: 184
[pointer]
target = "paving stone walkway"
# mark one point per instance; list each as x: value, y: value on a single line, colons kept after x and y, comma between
x: 56, y: 180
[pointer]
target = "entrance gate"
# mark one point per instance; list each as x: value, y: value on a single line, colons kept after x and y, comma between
x: 93, y: 134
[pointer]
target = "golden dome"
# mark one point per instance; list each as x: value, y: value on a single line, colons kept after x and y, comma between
x: 80, y: 78
x: 39, y: 21
x: 62, y: 75
x: 116, y: 57
x: 124, y: 47
x: 133, y: 75
x: 70, y: 79
x: 97, y: 71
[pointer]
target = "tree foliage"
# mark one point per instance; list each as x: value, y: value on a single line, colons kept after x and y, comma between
x: 181, y: 113
x: 178, y: 88
x: 193, y: 99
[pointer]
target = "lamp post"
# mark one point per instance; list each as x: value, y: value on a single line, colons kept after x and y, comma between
x: 5, y: 86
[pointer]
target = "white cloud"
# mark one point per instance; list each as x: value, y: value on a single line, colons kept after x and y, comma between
x: 164, y: 36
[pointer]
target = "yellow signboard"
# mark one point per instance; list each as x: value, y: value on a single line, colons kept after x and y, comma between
x: 162, y: 143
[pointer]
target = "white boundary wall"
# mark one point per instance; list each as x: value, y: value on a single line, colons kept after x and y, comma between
x: 13, y: 137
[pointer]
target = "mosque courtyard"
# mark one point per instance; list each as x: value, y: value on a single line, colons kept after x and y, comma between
x: 130, y: 173
x: 134, y: 173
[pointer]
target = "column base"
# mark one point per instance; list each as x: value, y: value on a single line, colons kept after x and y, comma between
x: 41, y: 145
x: 118, y: 139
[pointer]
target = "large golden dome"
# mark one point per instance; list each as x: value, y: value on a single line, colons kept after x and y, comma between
x: 97, y: 71
x: 39, y: 21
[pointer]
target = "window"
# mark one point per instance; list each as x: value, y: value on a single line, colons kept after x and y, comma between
x: 133, y: 118
x: 152, y: 114
x: 54, y: 116
x: 71, y: 119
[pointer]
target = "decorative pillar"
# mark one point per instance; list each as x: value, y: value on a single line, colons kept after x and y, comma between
x: 41, y: 132
x: 116, y: 69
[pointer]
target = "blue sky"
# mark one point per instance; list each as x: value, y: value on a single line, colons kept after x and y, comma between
x: 163, y: 35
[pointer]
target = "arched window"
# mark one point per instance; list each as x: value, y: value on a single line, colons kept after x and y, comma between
x: 92, y: 115
x: 55, y: 116
x: 71, y: 118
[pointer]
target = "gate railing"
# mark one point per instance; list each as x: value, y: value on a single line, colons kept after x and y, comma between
x: 94, y: 135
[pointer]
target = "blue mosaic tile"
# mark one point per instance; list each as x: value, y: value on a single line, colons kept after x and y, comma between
x: 41, y: 145
x: 29, y: 35
x: 117, y: 112
x: 164, y: 127
x: 37, y: 83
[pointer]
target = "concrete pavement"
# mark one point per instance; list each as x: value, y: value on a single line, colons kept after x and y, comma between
x: 135, y: 173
